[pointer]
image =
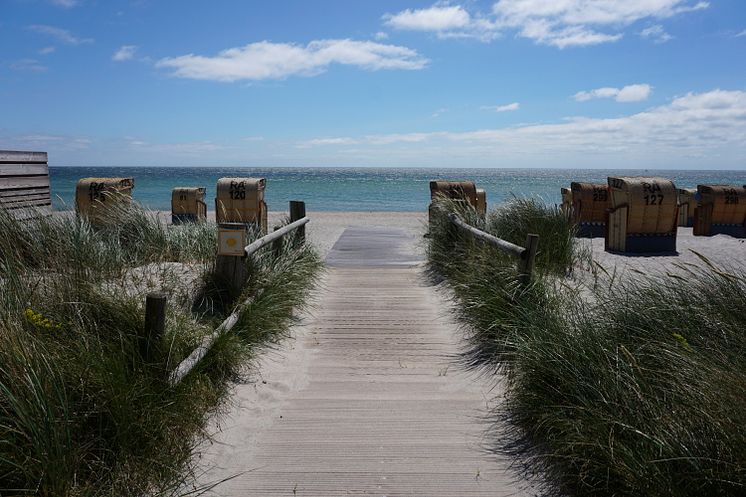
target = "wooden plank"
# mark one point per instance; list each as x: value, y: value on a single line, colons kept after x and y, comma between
x: 20, y: 200
x: 23, y: 181
x: 23, y: 169
x: 21, y: 191
x: 25, y: 205
x: 18, y: 156
x: 25, y: 199
x: 374, y: 247
x: 373, y: 403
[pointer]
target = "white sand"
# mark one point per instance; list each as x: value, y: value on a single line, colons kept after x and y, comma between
x: 722, y: 250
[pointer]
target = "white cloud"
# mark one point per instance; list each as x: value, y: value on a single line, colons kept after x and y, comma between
x: 559, y: 23
x: 47, y: 50
x: 61, y: 35
x: 389, y: 139
x: 381, y: 35
x: 435, y: 18
x: 181, y: 148
x: 656, y: 33
x: 576, y: 22
x: 266, y: 60
x: 57, y: 142
x: 125, y: 52
x: 691, y: 126
x: 742, y: 33
x: 28, y: 65
x: 693, y: 131
x: 396, y: 138
x: 439, y: 112
x: 448, y: 21
x: 630, y: 93
x: 66, y: 4
x: 327, y: 141
x: 502, y: 108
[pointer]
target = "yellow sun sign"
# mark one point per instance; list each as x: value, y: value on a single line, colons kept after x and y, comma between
x: 231, y: 242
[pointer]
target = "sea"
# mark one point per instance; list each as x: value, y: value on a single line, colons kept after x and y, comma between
x: 361, y: 189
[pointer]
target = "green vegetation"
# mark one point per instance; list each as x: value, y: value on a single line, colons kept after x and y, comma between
x: 85, y: 409
x: 628, y: 386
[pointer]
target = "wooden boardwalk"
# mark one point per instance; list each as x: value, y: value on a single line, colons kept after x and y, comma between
x: 381, y: 408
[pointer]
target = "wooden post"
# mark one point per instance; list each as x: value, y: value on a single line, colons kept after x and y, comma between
x: 231, y: 270
x: 298, y: 211
x: 277, y: 244
x: 155, y: 322
x: 526, y: 262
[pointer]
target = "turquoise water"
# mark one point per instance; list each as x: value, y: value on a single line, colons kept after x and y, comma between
x: 360, y: 189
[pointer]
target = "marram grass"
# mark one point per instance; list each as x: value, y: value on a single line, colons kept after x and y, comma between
x: 631, y: 388
x: 82, y: 410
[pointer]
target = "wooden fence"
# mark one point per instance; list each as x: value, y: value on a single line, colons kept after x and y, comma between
x: 155, y: 307
x: 526, y: 255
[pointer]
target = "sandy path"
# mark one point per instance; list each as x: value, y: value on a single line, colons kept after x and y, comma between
x: 368, y: 401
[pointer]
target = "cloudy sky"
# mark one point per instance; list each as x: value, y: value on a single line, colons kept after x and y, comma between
x: 507, y: 83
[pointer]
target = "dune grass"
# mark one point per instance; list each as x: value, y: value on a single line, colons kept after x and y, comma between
x: 630, y: 387
x: 83, y: 411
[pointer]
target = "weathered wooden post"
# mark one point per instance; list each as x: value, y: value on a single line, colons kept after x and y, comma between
x: 230, y: 264
x: 526, y: 262
x: 298, y: 211
x: 155, y: 322
x: 277, y: 244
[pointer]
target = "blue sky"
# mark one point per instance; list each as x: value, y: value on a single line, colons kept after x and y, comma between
x: 501, y: 83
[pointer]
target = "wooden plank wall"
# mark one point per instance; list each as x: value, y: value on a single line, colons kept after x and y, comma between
x: 24, y: 183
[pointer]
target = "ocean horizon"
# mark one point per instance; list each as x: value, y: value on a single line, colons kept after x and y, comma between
x: 361, y: 188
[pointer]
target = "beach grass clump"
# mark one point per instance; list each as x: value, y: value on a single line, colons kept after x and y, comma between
x: 558, y: 250
x: 485, y: 282
x: 632, y: 387
x: 129, y: 236
x: 640, y: 392
x: 85, y: 407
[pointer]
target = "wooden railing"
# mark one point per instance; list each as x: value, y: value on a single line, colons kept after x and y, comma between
x: 275, y: 235
x: 526, y: 255
x: 155, y: 307
x: 186, y: 366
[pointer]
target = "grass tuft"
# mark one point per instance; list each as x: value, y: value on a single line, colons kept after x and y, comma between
x: 634, y: 387
x: 82, y: 410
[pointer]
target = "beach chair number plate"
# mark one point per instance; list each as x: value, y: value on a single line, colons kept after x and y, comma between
x: 231, y: 242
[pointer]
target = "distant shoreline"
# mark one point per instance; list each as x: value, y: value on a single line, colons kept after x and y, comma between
x: 652, y: 171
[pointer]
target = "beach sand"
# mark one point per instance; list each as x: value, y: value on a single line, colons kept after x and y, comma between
x: 722, y: 250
